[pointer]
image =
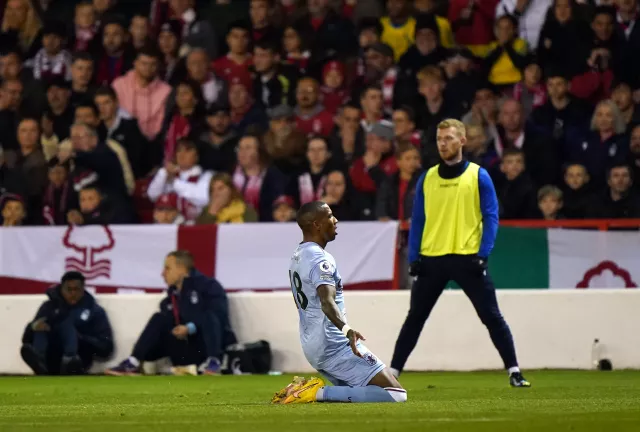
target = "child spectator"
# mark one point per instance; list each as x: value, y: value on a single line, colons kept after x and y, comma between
x: 333, y: 90
x: 84, y: 26
x: 52, y: 60
x: 295, y: 52
x: 283, y: 210
x: 516, y: 194
x: 59, y: 196
x: 166, y: 210
x: 550, y: 203
x: 13, y: 210
x: 238, y: 59
x: 531, y: 91
x: 506, y: 58
x: 95, y: 210
x: 577, y: 193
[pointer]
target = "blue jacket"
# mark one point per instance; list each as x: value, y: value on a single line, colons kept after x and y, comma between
x: 89, y: 318
x: 488, y: 208
x: 199, y: 297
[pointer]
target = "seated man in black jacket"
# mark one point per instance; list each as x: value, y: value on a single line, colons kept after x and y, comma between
x: 192, y: 326
x: 70, y: 330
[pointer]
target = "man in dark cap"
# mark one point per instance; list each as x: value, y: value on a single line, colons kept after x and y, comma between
x: 69, y: 330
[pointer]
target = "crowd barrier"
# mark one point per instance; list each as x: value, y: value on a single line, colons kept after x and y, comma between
x: 552, y: 329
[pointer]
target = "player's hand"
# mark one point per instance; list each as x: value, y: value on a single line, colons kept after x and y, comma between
x: 180, y: 332
x: 354, y: 337
x: 40, y: 325
x: 416, y: 268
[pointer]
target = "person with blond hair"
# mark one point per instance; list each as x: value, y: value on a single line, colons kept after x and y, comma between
x: 22, y: 18
x: 226, y: 204
x: 454, y: 224
x: 603, y: 146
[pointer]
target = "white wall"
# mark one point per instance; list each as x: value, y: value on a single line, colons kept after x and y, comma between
x: 552, y: 329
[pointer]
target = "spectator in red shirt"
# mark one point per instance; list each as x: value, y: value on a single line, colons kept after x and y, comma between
x: 238, y: 59
x: 311, y: 117
x: 371, y: 170
x: 334, y: 92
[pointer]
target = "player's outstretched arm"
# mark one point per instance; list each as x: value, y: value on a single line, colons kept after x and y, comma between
x: 327, y: 294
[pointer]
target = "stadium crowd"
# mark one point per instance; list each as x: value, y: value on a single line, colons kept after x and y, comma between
x: 177, y: 111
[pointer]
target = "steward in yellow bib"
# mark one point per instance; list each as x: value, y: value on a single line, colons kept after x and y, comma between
x: 453, y: 230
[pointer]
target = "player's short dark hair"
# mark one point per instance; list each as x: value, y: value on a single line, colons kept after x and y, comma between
x: 92, y: 187
x: 82, y: 56
x: 308, y: 213
x: 106, y: 91
x: 183, y: 257
x: 73, y: 276
x: 186, y: 144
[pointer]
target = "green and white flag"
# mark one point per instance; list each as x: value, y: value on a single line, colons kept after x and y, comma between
x: 563, y: 258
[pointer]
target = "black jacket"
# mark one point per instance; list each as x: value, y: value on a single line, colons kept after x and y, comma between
x: 334, y: 38
x: 280, y: 89
x: 388, y: 196
x: 603, y: 207
x: 517, y: 198
x: 219, y: 158
x: 576, y: 202
x: 128, y: 135
x: 552, y: 122
x: 564, y: 44
x: 89, y: 318
x: 200, y: 295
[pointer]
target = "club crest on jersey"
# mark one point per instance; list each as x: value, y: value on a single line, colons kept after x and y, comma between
x: 370, y: 358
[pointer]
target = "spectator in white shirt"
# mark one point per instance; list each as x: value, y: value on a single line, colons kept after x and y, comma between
x: 185, y: 178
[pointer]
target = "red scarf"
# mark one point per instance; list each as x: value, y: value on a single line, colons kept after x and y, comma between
x: 250, y: 186
x: 178, y: 128
x: 51, y: 210
x: 539, y: 92
x: 307, y: 192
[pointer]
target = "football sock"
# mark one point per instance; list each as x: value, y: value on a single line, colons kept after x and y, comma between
x: 360, y: 394
x: 134, y: 361
x: 395, y: 372
x: 513, y: 370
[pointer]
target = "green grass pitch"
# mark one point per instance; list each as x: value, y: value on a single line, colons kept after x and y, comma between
x: 481, y: 401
